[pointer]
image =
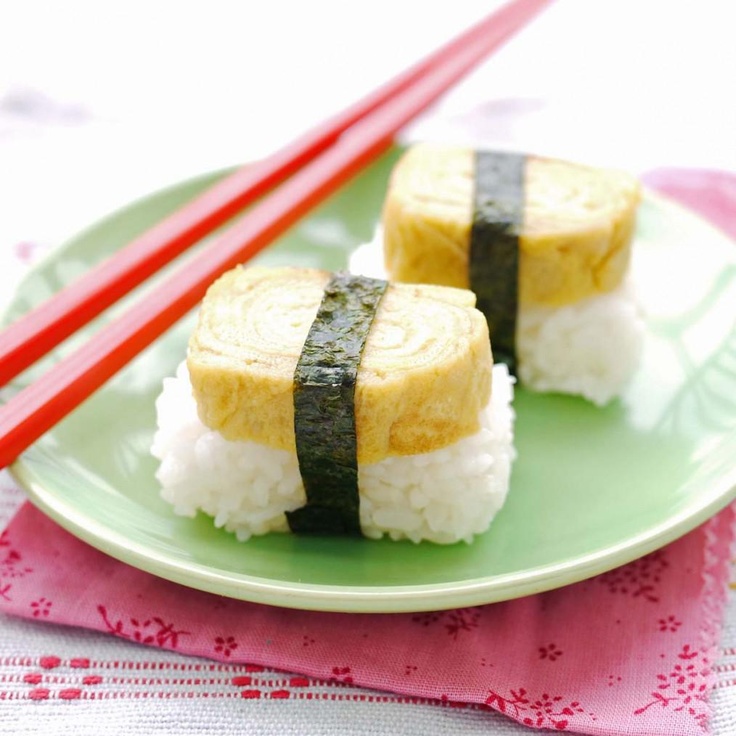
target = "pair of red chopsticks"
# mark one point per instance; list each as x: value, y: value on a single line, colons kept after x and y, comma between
x: 312, y: 167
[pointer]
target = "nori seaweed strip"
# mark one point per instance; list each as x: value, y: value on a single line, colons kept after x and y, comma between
x: 324, y: 407
x: 498, y: 211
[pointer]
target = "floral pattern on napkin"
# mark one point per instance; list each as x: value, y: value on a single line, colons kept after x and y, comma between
x: 626, y: 652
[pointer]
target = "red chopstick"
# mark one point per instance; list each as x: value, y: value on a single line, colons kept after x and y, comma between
x: 42, y: 404
x: 36, y: 333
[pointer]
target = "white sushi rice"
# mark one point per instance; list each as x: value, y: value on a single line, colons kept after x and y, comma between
x: 444, y: 496
x: 590, y: 348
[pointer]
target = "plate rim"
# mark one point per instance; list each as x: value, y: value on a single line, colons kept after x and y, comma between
x: 365, y: 599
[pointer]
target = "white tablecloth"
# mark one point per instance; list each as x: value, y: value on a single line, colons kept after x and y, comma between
x: 100, y: 104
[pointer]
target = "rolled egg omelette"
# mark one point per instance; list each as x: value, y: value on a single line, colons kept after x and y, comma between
x: 319, y: 403
x: 544, y: 243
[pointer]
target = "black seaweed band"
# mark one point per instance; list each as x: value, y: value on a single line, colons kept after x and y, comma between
x: 324, y: 406
x: 498, y: 212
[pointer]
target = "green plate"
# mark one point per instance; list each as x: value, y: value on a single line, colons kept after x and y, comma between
x: 591, y: 489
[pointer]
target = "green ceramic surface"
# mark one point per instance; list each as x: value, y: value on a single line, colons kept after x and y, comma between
x: 591, y: 489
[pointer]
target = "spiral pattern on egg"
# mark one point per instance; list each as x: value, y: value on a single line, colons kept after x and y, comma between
x: 424, y: 375
x: 575, y: 240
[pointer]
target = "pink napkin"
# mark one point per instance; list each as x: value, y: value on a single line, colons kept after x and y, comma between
x: 627, y: 652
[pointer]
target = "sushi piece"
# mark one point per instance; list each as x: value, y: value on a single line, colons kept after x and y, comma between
x: 323, y: 403
x: 545, y: 244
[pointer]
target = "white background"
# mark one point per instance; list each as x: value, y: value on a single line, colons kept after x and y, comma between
x: 103, y: 102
